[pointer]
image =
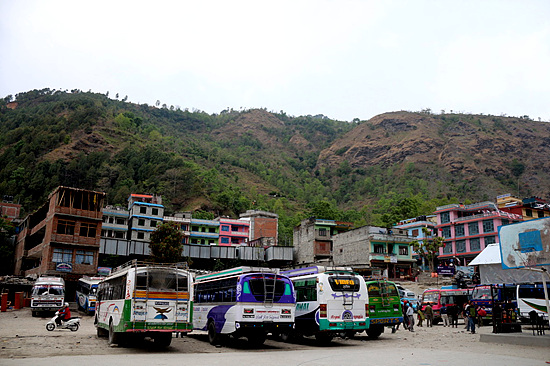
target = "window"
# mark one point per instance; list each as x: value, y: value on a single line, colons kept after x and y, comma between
x: 529, y: 212
x: 306, y: 290
x: 211, y: 229
x: 155, y: 211
x: 88, y: 230
x: 62, y: 255
x: 473, y: 228
x: 322, y: 232
x: 488, y: 226
x: 415, y: 233
x: 540, y: 214
x: 403, y: 250
x: 379, y: 248
x: 225, y: 227
x: 505, y: 222
x: 445, y: 217
x: 460, y: 246
x: 65, y: 227
x: 153, y: 223
x: 143, y: 210
x: 446, y: 232
x: 448, y: 248
x: 489, y: 240
x: 194, y: 228
x: 119, y: 234
x: 141, y: 222
x: 459, y: 230
x: 141, y: 235
x: 224, y: 240
x: 84, y: 257
x: 475, y: 244
x: 121, y: 221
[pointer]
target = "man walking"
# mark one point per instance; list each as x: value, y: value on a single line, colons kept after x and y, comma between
x: 410, y: 316
x: 429, y: 313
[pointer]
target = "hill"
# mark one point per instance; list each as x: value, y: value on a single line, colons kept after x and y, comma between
x: 396, y: 165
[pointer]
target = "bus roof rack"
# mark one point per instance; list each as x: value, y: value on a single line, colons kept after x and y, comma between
x: 136, y: 263
x: 236, y: 271
x: 314, y: 270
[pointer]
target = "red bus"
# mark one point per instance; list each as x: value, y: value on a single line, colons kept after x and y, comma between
x: 439, y: 298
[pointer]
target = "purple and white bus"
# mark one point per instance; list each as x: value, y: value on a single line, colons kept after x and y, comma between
x: 243, y: 302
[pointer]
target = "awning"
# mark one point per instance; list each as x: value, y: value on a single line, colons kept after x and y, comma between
x: 489, y: 255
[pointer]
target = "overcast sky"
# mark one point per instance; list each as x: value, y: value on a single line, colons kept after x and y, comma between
x: 344, y: 59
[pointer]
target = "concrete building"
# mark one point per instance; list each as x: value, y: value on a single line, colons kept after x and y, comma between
x: 62, y: 237
x: 528, y: 208
x: 233, y: 232
x: 415, y: 229
x: 205, y: 232
x: 375, y: 251
x: 313, y: 240
x: 468, y: 229
x: 145, y: 214
x: 115, y: 222
x: 263, y: 224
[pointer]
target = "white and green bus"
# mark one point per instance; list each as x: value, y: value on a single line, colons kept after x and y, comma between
x: 141, y: 300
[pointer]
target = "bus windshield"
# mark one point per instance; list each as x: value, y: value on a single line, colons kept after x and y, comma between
x: 344, y: 283
x: 161, y: 280
x: 47, y: 290
x: 381, y: 289
x: 265, y: 287
x: 432, y: 296
x: 482, y: 292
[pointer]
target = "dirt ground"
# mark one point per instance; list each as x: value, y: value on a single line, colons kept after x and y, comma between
x: 22, y: 336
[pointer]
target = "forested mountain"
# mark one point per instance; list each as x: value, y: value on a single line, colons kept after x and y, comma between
x: 393, y: 166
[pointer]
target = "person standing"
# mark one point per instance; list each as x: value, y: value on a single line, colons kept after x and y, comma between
x: 465, y: 313
x: 420, y: 316
x: 429, y: 313
x: 410, y: 316
x: 445, y: 316
x: 472, y: 315
x: 452, y: 312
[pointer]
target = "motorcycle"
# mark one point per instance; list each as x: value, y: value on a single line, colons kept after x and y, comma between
x: 73, y: 324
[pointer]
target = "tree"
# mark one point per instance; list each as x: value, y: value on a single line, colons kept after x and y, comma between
x: 429, y: 247
x: 7, y: 230
x: 166, y: 243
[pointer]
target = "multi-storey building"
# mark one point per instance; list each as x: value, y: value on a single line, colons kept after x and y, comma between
x: 416, y: 229
x: 204, y: 232
x: 183, y: 221
x: 115, y: 222
x: 468, y: 229
x: 263, y: 227
x: 63, y: 236
x: 9, y: 210
x: 373, y: 250
x: 145, y: 214
x: 529, y: 208
x: 233, y: 232
x: 313, y: 239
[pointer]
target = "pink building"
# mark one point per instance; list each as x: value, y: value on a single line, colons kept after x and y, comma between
x: 233, y: 232
x: 468, y: 229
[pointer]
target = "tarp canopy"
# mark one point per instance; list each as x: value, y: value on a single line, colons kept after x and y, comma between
x: 489, y: 255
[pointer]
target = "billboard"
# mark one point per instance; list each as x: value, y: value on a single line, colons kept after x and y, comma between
x: 525, y: 244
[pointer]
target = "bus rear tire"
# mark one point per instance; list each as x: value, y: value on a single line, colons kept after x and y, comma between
x: 114, y: 338
x: 162, y: 340
x: 102, y: 332
x: 323, y: 338
x: 213, y: 336
x: 374, y: 332
x: 257, y: 339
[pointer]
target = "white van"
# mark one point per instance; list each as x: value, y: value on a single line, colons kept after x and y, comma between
x: 48, y: 294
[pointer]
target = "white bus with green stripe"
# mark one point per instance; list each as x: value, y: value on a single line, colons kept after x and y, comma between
x: 140, y: 300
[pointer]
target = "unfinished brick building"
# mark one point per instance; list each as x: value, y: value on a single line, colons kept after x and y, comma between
x: 62, y: 237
